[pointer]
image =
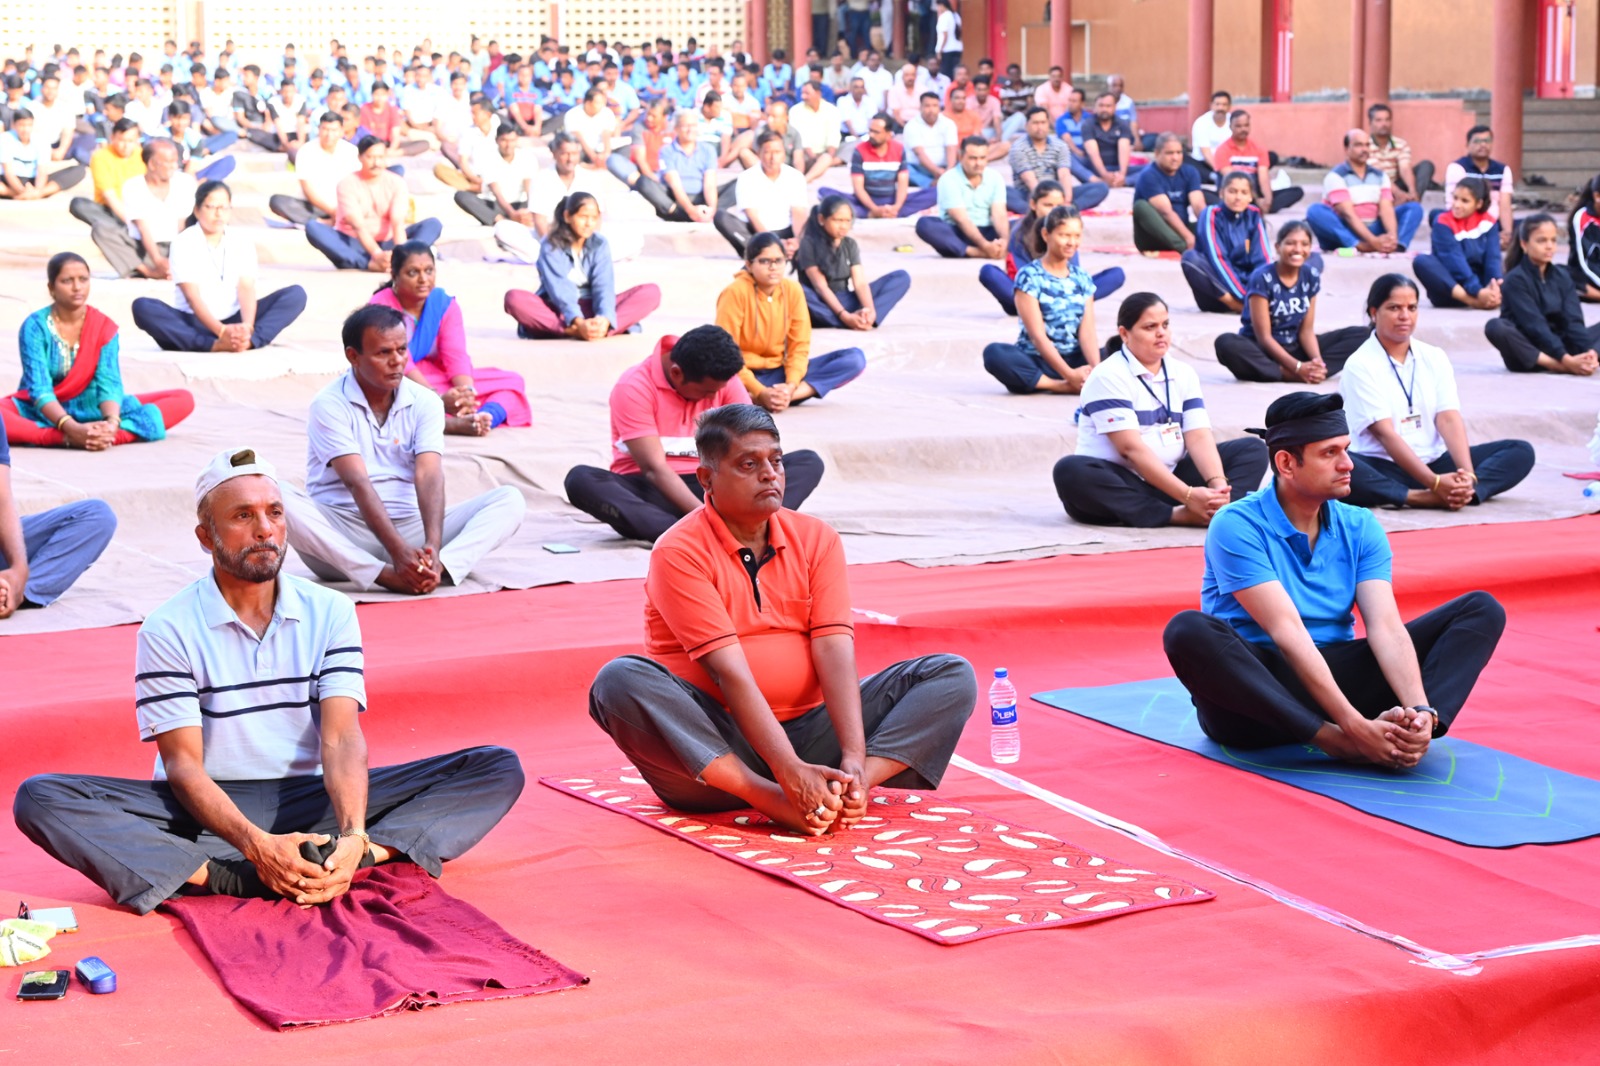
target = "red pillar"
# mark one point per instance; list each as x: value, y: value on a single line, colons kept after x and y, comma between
x: 756, y: 30
x: 999, y: 50
x: 1060, y: 36
x: 1509, y: 53
x: 1201, y: 21
x: 1358, y: 63
x: 799, y: 30
x: 897, y: 47
x: 555, y: 20
x: 1375, y: 72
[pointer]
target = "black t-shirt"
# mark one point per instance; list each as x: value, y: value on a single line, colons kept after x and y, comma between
x: 1107, y: 139
x: 244, y: 100
x: 816, y: 250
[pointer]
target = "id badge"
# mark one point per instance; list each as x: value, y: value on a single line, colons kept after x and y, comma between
x: 1171, y: 435
x: 1411, y: 423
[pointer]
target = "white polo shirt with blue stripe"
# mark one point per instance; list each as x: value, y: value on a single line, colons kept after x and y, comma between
x: 1121, y: 394
x: 256, y: 700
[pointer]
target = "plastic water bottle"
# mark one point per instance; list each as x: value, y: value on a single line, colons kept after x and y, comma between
x: 1005, y: 743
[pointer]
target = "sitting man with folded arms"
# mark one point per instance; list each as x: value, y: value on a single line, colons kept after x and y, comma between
x: 972, y: 217
x: 750, y: 696
x: 880, y: 178
x: 250, y: 684
x: 654, y: 408
x: 320, y: 166
x: 1272, y: 657
x: 373, y: 512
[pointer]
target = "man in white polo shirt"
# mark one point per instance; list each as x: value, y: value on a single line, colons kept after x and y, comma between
x: 376, y: 515
x: 819, y: 125
x: 772, y: 196
x: 250, y: 683
x: 321, y: 165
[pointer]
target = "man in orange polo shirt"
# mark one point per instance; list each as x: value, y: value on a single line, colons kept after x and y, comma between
x: 750, y: 697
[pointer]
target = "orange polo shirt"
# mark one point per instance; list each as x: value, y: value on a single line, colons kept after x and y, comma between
x: 699, y: 597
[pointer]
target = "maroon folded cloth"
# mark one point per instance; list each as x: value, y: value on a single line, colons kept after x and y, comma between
x: 396, y: 941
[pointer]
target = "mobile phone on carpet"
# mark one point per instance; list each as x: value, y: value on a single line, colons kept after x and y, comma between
x: 44, y: 984
x: 560, y: 549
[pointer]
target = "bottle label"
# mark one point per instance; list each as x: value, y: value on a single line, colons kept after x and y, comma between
x: 1002, y: 716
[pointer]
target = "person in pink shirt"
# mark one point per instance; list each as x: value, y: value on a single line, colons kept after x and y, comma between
x: 1054, y: 95
x: 476, y: 398
x: 371, y: 214
x: 655, y: 407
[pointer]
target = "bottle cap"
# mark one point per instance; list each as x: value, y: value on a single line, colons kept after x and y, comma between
x: 1000, y: 671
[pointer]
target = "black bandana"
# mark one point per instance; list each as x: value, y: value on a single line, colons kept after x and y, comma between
x: 1302, y: 418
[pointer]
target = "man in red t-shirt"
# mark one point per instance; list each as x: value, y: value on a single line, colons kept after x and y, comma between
x: 654, y: 408
x: 750, y: 697
x: 1240, y: 153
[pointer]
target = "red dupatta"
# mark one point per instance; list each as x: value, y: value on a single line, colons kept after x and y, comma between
x: 96, y: 334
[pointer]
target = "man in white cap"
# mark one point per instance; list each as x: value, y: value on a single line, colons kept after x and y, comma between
x: 373, y: 512
x: 250, y: 683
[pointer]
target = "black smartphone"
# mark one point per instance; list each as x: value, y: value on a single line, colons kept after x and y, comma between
x: 44, y: 984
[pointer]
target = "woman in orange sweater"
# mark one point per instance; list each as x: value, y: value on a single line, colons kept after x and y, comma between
x: 766, y: 314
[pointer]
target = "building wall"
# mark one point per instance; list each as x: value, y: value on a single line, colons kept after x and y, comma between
x: 1435, y: 47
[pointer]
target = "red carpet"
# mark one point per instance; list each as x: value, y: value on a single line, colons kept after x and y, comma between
x: 917, y: 862
x: 1241, y: 979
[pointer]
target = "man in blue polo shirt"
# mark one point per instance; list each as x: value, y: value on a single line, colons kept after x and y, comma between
x: 250, y: 684
x: 1271, y: 657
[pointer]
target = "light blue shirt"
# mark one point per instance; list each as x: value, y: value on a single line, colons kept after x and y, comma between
x: 1252, y: 542
x: 955, y: 190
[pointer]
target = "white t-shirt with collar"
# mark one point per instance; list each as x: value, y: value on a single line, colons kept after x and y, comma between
x: 341, y: 423
x: 164, y: 217
x: 323, y: 171
x: 216, y: 270
x: 773, y: 200
x: 1375, y: 388
x: 1162, y: 405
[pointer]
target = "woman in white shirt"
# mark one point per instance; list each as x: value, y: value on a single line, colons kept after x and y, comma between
x: 1407, y: 436
x: 214, y: 306
x: 947, y: 32
x: 1146, y: 456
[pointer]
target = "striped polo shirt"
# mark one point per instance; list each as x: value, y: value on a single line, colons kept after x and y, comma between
x: 1363, y: 192
x: 1121, y: 394
x: 255, y: 699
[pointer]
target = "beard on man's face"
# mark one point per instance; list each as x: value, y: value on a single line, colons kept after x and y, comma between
x: 257, y: 564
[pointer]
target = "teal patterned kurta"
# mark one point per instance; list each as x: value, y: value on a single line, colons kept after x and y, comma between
x: 46, y: 358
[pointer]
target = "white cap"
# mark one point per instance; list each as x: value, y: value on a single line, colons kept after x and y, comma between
x: 229, y: 464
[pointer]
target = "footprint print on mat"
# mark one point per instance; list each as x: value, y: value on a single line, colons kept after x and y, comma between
x: 918, y: 862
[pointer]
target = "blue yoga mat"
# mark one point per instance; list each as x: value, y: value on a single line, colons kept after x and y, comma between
x: 1459, y: 791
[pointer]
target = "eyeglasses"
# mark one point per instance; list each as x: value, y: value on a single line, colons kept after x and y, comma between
x: 769, y: 261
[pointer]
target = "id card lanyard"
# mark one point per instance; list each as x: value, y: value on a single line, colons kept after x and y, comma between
x: 1412, y: 418
x: 1166, y: 383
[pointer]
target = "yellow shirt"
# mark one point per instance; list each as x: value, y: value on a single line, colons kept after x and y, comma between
x: 110, y: 171
x: 771, y: 331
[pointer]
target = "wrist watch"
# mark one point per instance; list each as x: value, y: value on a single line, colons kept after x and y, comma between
x: 1430, y: 710
x: 365, y: 840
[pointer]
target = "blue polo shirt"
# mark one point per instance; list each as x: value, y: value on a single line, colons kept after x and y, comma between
x: 1251, y: 542
x: 691, y: 167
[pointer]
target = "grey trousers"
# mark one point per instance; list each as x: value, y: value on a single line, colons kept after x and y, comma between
x: 912, y: 712
x: 138, y: 842
x: 125, y: 254
x: 337, y: 545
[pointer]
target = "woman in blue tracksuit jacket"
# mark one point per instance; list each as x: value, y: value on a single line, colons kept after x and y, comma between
x: 1230, y: 244
x: 1464, y: 269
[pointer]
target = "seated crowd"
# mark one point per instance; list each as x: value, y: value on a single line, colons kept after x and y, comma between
x: 736, y: 704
